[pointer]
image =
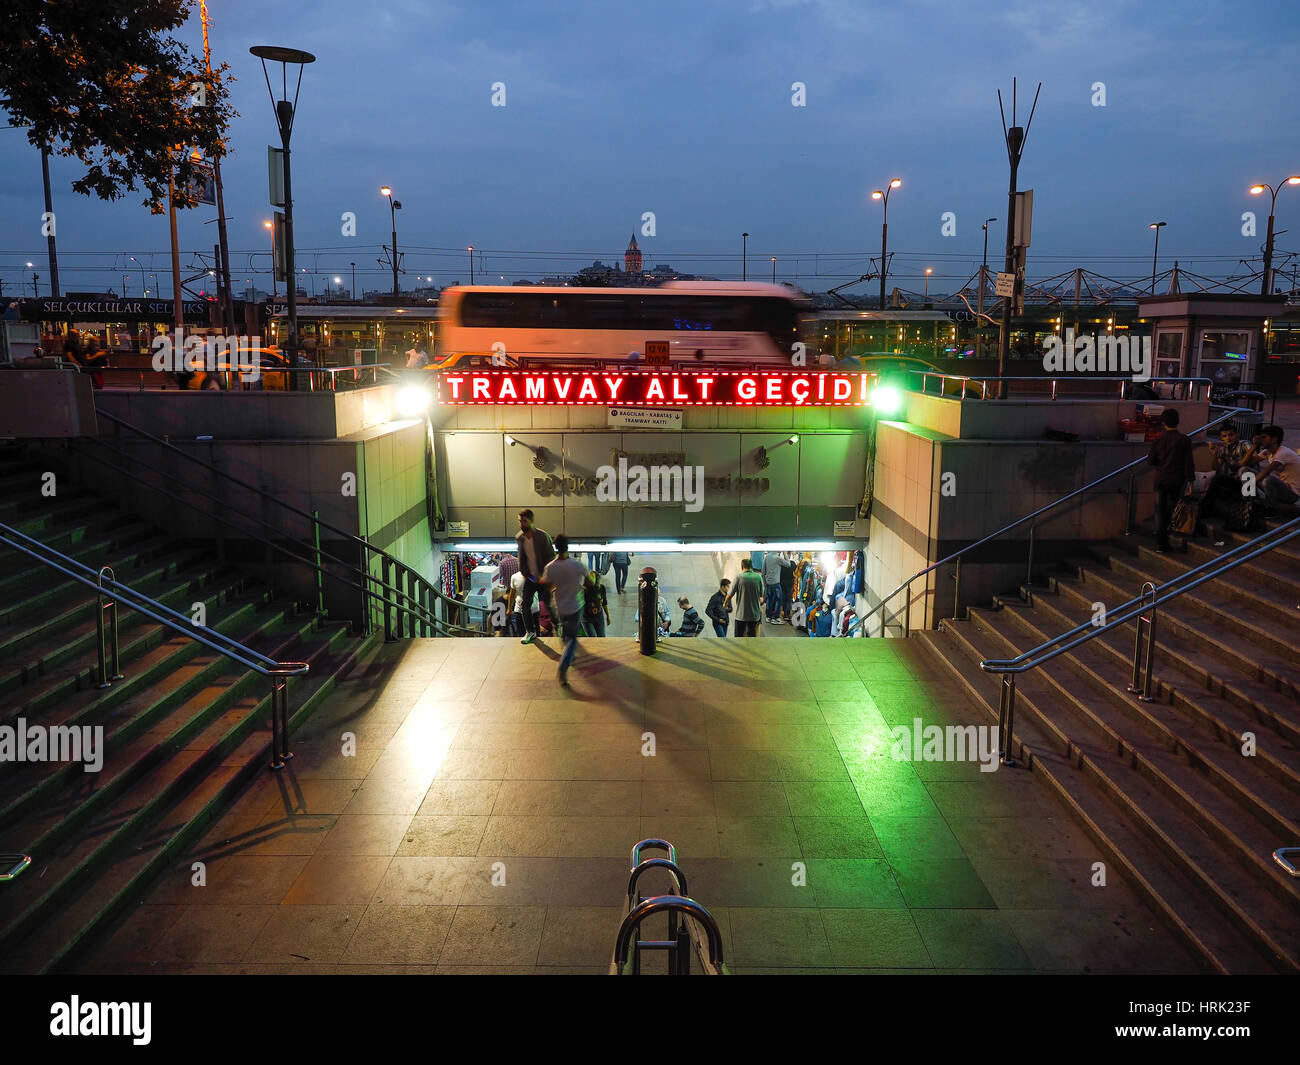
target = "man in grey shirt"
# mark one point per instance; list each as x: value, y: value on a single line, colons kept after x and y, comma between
x: 748, y: 594
x: 772, y: 587
x: 563, y: 576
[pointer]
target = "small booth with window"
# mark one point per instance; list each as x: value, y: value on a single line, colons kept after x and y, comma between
x: 1213, y: 335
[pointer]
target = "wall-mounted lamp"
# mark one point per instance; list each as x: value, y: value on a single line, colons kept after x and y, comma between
x: 541, y: 457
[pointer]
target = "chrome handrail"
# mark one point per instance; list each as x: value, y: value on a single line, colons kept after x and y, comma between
x: 956, y: 555
x: 1010, y: 668
x: 1163, y: 593
x: 1051, y: 381
x: 218, y: 642
x: 317, y: 523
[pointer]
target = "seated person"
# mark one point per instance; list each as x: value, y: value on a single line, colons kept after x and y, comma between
x: 692, y: 624
x: 1278, y: 479
x: 1229, y: 455
x: 664, y: 617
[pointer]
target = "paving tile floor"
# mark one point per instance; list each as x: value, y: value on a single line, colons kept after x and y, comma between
x: 452, y: 810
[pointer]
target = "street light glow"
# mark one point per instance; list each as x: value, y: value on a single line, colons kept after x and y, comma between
x: 895, y: 183
x: 384, y: 190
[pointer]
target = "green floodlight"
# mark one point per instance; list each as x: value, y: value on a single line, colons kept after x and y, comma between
x: 886, y: 399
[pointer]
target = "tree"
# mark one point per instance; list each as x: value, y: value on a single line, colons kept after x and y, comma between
x: 104, y: 82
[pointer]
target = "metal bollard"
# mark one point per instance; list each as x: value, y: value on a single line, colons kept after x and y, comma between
x: 647, y: 593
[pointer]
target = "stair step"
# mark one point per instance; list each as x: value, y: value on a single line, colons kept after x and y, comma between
x: 126, y: 877
x: 1162, y: 884
x: 1166, y: 823
x: 1242, y: 807
x: 116, y: 828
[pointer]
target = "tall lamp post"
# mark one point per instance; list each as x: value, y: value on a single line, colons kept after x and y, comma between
x: 394, y: 205
x: 354, y: 281
x: 284, y: 115
x: 744, y: 256
x: 1155, y: 255
x: 928, y: 271
x: 774, y: 269
x: 1266, y: 289
x: 979, y: 302
x: 470, y: 249
x: 883, y: 196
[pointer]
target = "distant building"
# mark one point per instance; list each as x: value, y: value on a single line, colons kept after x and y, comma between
x: 632, y: 257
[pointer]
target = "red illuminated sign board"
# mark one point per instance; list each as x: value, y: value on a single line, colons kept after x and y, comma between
x: 697, y: 388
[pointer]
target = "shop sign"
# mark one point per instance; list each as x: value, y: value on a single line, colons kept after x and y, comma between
x: 681, y: 388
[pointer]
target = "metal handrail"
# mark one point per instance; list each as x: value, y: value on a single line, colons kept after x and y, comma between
x: 218, y: 642
x: 956, y: 555
x: 406, y: 572
x: 1206, y: 571
x: 1010, y: 668
x: 1123, y: 382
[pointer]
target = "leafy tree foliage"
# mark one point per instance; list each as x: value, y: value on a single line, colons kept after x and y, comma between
x: 105, y: 82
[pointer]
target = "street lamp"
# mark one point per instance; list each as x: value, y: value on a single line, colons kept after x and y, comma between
x: 470, y: 249
x: 34, y: 292
x: 928, y: 271
x: 338, y: 283
x: 354, y: 281
x: 883, y: 196
x: 284, y: 115
x: 1155, y: 255
x: 133, y: 259
x: 1255, y: 190
x: 394, y: 205
x: 984, y: 273
x: 744, y: 256
x: 774, y: 269
x: 271, y: 229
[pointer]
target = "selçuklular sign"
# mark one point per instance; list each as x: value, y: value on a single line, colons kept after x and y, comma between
x: 636, y: 388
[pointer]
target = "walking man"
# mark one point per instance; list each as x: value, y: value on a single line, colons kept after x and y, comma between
x: 535, y: 551
x: 748, y: 594
x: 1171, y: 455
x: 620, y: 560
x: 564, y: 576
x: 772, y: 587
x: 716, y: 610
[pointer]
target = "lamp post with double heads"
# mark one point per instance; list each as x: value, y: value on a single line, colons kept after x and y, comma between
x: 1266, y: 289
x: 1155, y: 255
x: 284, y: 115
x: 883, y: 196
x: 394, y: 205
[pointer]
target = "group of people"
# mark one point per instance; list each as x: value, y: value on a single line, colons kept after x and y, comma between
x: 1275, y: 471
x: 87, y: 355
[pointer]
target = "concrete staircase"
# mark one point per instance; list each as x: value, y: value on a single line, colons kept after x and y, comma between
x: 183, y: 732
x: 1163, y: 787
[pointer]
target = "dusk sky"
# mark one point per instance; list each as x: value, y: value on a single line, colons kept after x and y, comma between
x: 685, y: 110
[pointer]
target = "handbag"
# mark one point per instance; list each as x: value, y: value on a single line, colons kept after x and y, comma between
x: 1185, y: 516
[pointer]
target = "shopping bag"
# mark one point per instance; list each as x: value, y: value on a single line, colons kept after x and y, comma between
x: 1185, y: 516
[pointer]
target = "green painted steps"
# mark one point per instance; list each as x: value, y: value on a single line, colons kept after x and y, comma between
x: 1215, y: 870
x: 115, y: 876
x: 135, y: 704
x: 30, y: 649
x: 1175, y: 897
x: 40, y: 827
x: 108, y: 835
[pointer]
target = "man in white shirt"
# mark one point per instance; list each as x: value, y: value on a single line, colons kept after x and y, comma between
x: 563, y: 577
x: 1278, y: 479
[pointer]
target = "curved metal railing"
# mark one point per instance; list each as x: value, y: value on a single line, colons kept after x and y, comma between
x: 218, y: 642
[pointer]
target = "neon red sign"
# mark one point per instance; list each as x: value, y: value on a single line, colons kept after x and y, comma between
x: 638, y: 388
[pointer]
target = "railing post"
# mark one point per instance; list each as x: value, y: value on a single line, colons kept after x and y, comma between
x: 956, y: 591
x: 279, y: 721
x: 1144, y: 692
x: 1130, y: 507
x: 106, y: 633
x: 385, y: 569
x: 1029, y: 570
x: 320, y: 574
x: 1007, y: 718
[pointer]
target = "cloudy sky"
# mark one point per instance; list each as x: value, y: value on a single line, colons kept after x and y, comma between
x: 685, y: 110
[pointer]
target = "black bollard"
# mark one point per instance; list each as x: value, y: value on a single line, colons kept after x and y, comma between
x: 647, y: 592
